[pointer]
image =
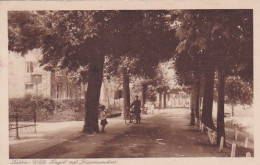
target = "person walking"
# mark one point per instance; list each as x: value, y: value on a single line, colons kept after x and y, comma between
x: 137, y: 109
x: 103, y: 117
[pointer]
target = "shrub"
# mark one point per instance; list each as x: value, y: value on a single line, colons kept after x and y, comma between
x: 26, y: 106
x: 51, y: 109
x: 114, y: 107
x: 69, y: 109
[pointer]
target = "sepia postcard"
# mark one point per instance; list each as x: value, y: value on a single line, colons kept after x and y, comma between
x: 129, y: 82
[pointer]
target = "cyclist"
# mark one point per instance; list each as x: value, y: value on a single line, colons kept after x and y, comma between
x: 137, y: 109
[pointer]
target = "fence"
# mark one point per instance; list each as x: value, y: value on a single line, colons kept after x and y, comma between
x: 17, y: 125
x: 213, y: 139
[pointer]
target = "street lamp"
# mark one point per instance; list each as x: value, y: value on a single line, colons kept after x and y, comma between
x: 36, y: 79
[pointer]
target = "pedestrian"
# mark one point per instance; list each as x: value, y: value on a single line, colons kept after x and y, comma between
x: 103, y: 117
x: 137, y: 109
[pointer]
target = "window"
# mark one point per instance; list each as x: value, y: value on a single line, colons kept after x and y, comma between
x: 67, y: 91
x: 58, y: 91
x: 29, y: 67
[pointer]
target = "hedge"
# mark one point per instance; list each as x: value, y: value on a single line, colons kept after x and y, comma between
x: 48, y: 109
x: 52, y: 109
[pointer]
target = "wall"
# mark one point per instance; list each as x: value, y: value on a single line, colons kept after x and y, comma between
x: 18, y: 76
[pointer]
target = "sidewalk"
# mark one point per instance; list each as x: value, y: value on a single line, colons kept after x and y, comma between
x: 48, y: 135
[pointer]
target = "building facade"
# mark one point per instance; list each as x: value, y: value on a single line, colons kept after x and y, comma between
x: 56, y: 85
x: 21, y: 79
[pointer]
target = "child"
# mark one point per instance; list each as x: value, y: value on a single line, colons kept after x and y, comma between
x: 103, y: 118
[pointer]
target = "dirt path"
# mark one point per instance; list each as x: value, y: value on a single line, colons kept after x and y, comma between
x: 164, y: 134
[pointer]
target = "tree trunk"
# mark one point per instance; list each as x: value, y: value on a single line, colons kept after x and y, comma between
x: 144, y: 89
x: 84, y: 87
x: 208, y: 97
x: 220, y: 113
x: 160, y: 100
x: 192, y: 113
x: 95, y: 76
x: 232, y: 106
x: 197, y: 99
x: 201, y: 93
x: 126, y: 91
x: 164, y: 100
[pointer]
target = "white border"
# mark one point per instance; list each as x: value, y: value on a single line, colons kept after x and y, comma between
x: 129, y: 5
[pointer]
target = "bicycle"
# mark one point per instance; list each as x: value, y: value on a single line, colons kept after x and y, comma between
x: 131, y: 117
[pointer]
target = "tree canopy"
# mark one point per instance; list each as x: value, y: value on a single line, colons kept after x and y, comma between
x: 208, y: 37
x: 87, y: 39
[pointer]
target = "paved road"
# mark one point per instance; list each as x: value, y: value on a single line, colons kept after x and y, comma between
x: 164, y: 134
